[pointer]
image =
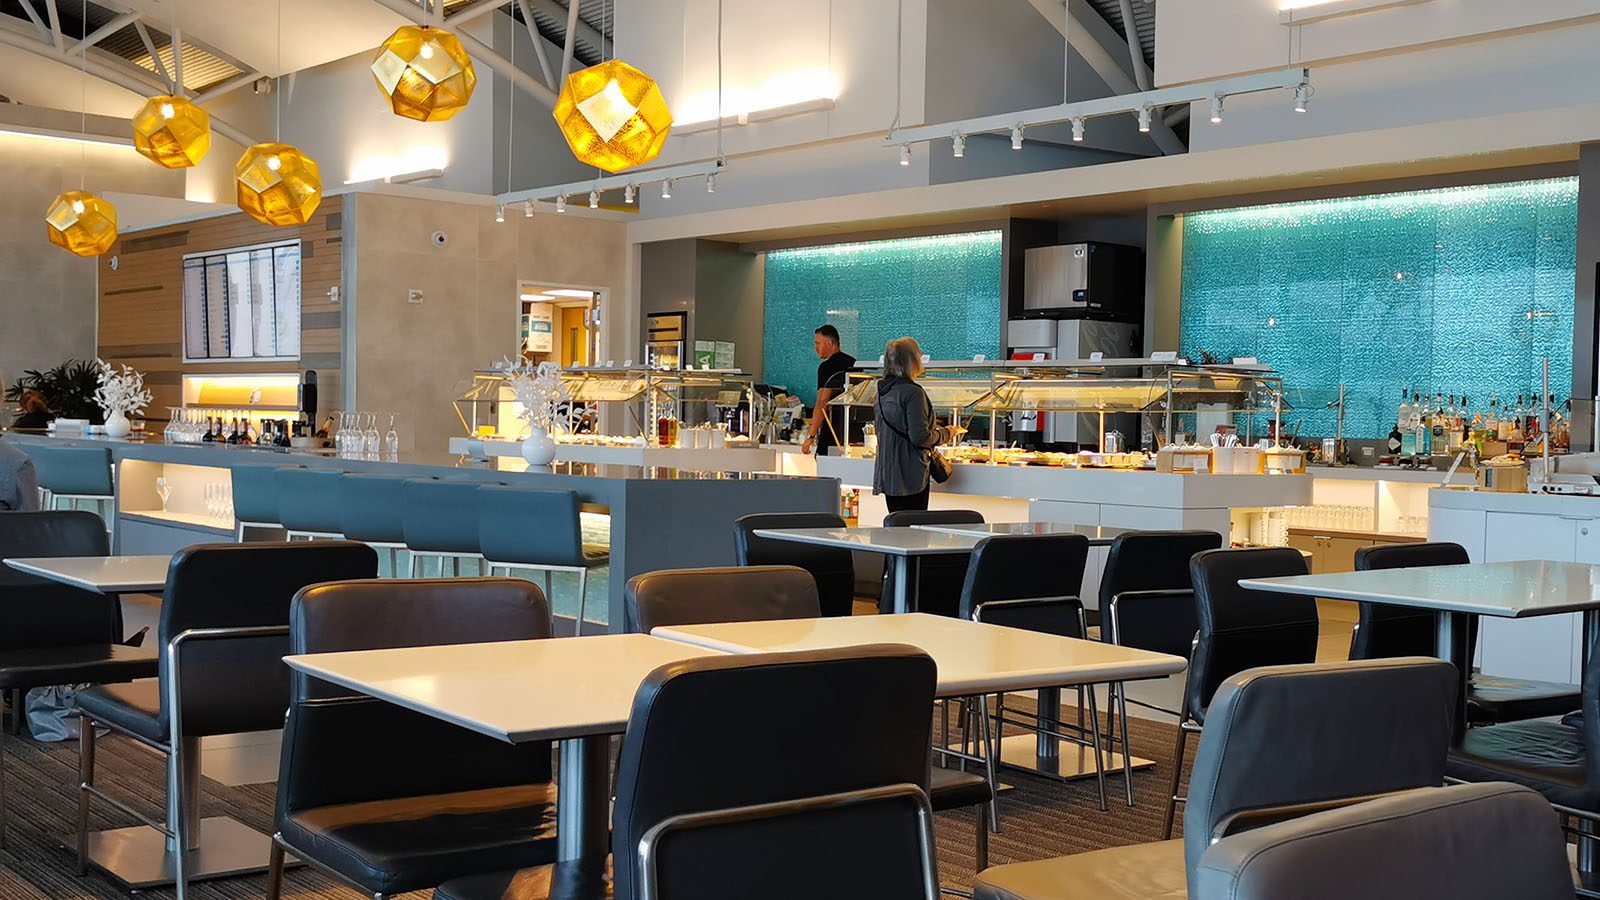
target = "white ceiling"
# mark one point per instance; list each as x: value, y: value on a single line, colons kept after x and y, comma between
x: 314, y: 31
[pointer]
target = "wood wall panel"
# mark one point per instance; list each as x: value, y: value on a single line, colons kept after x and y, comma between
x: 141, y: 301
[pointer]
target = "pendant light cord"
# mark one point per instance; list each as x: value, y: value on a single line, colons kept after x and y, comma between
x: 277, y: 122
x: 720, y: 159
x: 83, y: 84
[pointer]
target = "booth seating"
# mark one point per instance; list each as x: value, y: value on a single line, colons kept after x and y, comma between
x: 1281, y: 741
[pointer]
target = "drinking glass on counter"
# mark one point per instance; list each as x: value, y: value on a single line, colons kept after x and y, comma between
x: 371, y: 441
x: 391, y: 440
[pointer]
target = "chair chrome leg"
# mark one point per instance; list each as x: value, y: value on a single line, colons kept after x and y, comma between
x: 991, y: 761
x: 1127, y: 746
x: 1177, y: 777
x: 1094, y: 733
x: 275, y: 872
x: 583, y: 599
x: 85, y: 781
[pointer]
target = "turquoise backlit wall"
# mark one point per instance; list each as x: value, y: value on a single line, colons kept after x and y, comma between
x: 942, y: 290
x: 1457, y: 290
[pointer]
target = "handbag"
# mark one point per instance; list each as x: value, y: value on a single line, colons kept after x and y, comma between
x: 938, y: 467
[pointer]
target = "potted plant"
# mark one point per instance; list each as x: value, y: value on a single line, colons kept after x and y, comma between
x: 68, y: 389
x: 119, y: 394
x: 538, y: 388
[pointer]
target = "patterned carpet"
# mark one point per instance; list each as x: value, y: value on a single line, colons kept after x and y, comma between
x: 1039, y: 818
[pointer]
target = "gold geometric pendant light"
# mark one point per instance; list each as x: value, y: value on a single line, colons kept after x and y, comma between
x: 83, y: 223
x: 172, y: 132
x: 613, y: 116
x: 277, y: 184
x: 424, y: 73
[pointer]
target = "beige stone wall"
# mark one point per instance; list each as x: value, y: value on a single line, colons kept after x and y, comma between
x: 415, y: 358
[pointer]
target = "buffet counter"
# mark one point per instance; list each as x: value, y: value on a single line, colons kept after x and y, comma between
x: 738, y: 458
x: 659, y: 517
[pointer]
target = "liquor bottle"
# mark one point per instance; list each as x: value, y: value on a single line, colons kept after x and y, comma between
x: 1491, y: 424
x: 1463, y: 423
x: 1408, y: 434
x: 1395, y: 440
x: 1437, y: 441
x: 207, y: 437
x: 233, y: 431
x: 244, y: 432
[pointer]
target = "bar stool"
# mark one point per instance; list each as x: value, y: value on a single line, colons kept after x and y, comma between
x: 255, y: 499
x: 308, y: 503
x: 372, y: 509
x: 540, y: 529
x: 440, y: 519
x: 75, y: 474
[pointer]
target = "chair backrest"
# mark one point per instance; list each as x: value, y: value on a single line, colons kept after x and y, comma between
x: 1027, y: 567
x: 905, y: 518
x: 327, y: 753
x: 1242, y: 629
x: 255, y: 493
x: 1146, y: 597
x: 44, y: 613
x: 733, y: 594
x: 1383, y: 630
x: 84, y: 471
x: 1468, y: 842
x: 529, y: 525
x: 684, y: 753
x: 240, y: 684
x: 372, y: 507
x: 938, y: 577
x: 441, y: 516
x: 832, y: 568
x: 309, y: 499
x: 1288, y: 735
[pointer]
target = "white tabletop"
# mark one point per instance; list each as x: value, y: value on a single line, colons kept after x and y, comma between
x: 1098, y: 535
x: 893, y: 541
x: 1506, y: 589
x: 101, y: 574
x: 972, y: 658
x: 514, y: 690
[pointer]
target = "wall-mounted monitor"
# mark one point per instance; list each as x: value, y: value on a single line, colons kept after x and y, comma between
x: 242, y: 304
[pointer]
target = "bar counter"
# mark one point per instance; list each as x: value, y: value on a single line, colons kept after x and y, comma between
x: 660, y: 518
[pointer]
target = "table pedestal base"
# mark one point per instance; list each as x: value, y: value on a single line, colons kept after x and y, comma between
x: 1021, y: 752
x: 137, y: 858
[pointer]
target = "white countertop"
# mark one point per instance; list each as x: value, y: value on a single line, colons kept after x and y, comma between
x: 1387, y: 473
x: 1504, y: 589
x: 101, y: 574
x: 972, y: 658
x: 515, y: 691
x: 1498, y: 501
x: 742, y: 458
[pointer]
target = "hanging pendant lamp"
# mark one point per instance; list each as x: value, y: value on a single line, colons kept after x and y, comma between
x: 277, y: 184
x: 424, y: 73
x: 82, y: 223
x: 613, y: 116
x: 172, y: 132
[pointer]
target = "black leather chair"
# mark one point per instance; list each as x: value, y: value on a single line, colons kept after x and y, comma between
x: 832, y: 568
x: 439, y: 801
x: 1239, y: 629
x: 223, y: 633
x: 732, y: 594
x: 1398, y: 631
x: 1479, y: 842
x: 1032, y: 582
x: 725, y: 807
x: 55, y: 633
x: 938, y: 578
x: 1283, y: 741
x: 765, y: 593
x: 1147, y: 602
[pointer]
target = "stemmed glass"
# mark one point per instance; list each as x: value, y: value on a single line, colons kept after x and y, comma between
x: 372, y: 441
x: 163, y: 490
x: 391, y: 440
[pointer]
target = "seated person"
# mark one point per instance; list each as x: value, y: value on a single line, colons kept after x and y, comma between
x: 35, y: 413
x: 19, y: 484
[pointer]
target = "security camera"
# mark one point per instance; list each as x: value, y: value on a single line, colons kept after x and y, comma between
x: 439, y: 239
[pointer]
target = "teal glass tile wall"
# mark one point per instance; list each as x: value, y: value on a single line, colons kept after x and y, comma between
x: 942, y: 290
x: 1453, y: 291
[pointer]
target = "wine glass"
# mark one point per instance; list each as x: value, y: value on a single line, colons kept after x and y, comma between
x: 373, y: 441
x: 163, y: 490
x: 391, y: 440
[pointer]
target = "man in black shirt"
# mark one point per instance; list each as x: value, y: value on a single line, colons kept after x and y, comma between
x: 826, y: 423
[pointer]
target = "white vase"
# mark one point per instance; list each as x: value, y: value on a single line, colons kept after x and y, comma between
x: 117, y: 425
x: 538, y: 448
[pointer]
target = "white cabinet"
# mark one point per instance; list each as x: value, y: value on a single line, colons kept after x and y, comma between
x: 1544, y: 648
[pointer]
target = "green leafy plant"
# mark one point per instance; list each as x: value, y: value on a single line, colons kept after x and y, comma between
x: 68, y: 389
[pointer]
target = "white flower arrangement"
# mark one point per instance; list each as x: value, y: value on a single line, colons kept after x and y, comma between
x: 120, y: 391
x: 538, y: 388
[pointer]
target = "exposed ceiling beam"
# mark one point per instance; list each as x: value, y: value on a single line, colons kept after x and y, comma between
x: 586, y: 32
x: 1100, y: 48
x: 55, y: 24
x: 33, y: 16
x: 101, y: 66
x: 227, y: 87
x: 482, y: 7
x: 572, y: 34
x: 155, y: 58
x: 112, y: 27
x: 482, y: 52
x: 1130, y: 33
x: 538, y: 45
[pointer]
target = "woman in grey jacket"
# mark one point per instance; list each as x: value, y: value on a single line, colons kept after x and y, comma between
x: 906, y: 430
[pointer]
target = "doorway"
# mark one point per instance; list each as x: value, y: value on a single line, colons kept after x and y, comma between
x: 559, y: 324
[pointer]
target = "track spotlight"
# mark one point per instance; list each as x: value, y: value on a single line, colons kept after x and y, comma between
x: 1216, y: 110
x: 527, y: 209
x: 1302, y: 93
x: 1016, y: 136
x: 594, y: 199
x: 666, y: 189
x: 627, y: 194
x: 905, y: 154
x: 711, y: 183
x: 1144, y: 119
x: 499, y: 212
x: 1077, y: 129
x: 958, y: 145
x: 561, y: 203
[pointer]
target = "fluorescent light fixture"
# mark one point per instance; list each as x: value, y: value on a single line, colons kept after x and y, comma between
x: 67, y: 137
x: 789, y: 93
x: 412, y: 164
x: 569, y: 292
x: 1301, y: 12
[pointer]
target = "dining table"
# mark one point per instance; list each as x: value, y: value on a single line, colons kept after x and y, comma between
x: 100, y: 574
